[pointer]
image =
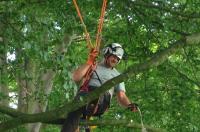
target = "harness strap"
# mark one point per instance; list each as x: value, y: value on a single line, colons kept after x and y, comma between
x: 96, y: 106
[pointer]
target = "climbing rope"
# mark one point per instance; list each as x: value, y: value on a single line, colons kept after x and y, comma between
x: 89, y: 43
x: 100, y: 26
x: 88, y: 39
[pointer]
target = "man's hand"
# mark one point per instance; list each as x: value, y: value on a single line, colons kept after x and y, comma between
x: 133, y: 107
x: 92, y: 56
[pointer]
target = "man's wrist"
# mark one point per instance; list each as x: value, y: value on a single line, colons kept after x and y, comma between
x: 133, y: 107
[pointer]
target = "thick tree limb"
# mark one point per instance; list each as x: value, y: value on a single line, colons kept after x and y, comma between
x: 60, y: 112
x: 120, y: 123
x: 10, y: 111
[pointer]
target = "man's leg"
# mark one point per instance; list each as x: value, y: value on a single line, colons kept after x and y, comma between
x: 71, y: 124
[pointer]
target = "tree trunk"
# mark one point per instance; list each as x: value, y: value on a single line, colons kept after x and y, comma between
x: 31, y: 87
x: 40, y: 106
x: 34, y: 84
x: 3, y: 81
x: 3, y: 68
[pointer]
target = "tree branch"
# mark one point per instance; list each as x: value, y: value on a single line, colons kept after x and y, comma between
x: 185, y: 76
x: 10, y: 111
x: 122, y: 123
x: 61, y: 112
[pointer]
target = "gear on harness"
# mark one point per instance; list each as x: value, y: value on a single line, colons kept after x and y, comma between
x: 96, y: 107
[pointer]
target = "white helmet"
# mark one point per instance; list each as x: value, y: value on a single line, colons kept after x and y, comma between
x: 114, y: 49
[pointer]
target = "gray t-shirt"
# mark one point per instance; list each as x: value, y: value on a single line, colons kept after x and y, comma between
x: 104, y: 75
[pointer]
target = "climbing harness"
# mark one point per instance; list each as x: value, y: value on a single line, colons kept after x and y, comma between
x: 98, y: 106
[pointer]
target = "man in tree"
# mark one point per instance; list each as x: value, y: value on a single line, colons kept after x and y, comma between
x: 104, y: 71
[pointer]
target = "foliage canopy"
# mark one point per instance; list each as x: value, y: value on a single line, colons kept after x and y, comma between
x: 46, y: 41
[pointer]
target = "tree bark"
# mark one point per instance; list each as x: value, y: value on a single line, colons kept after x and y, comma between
x: 3, y: 68
x: 40, y: 106
x: 3, y: 81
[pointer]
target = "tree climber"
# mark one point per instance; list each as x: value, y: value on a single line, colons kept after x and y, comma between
x: 104, y: 71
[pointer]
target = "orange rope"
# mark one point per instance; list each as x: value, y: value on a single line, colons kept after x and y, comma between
x: 100, y: 26
x: 89, y: 43
x: 98, y: 36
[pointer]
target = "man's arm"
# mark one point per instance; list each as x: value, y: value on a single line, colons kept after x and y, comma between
x: 79, y: 73
x: 123, y: 99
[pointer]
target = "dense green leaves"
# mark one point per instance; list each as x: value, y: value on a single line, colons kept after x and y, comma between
x: 46, y: 39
